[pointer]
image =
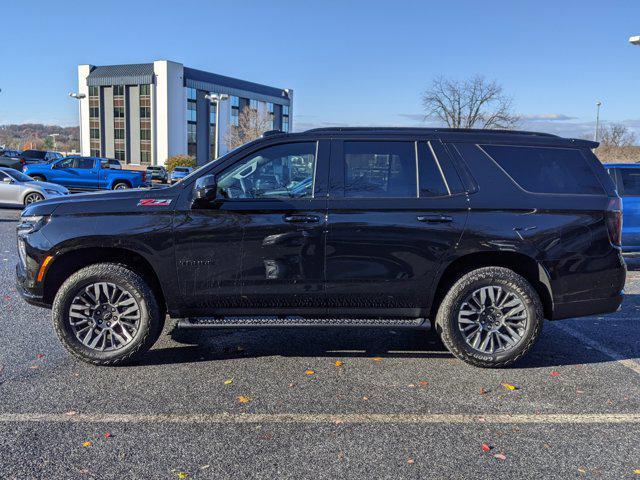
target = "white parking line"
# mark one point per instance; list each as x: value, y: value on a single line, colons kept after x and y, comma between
x: 320, y: 418
x: 627, y: 362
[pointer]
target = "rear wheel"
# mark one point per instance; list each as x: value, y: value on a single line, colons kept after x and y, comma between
x: 106, y: 314
x: 121, y: 186
x: 491, y: 317
x: 32, y: 198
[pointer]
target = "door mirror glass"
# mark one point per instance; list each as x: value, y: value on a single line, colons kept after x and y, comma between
x: 204, y: 191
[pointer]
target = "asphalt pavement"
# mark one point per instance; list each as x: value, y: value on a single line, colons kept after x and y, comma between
x: 321, y: 403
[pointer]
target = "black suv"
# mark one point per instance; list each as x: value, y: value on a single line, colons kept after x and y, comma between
x: 481, y: 233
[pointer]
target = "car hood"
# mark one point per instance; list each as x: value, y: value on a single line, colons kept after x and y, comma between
x: 111, y: 201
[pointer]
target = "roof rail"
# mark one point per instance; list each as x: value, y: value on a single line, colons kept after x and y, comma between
x: 431, y: 130
x: 270, y: 133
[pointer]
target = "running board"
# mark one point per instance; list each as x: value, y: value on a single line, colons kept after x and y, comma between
x: 293, y: 321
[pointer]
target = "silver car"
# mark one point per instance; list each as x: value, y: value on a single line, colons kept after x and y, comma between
x: 16, y: 188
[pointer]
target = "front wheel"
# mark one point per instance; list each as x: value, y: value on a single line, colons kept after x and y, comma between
x: 32, y: 198
x: 491, y: 317
x: 121, y: 186
x: 106, y: 314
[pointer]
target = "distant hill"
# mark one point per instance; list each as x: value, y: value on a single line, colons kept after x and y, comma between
x: 35, y: 135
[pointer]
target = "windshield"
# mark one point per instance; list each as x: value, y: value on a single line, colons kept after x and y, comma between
x: 181, y: 169
x: 18, y: 176
x: 34, y: 154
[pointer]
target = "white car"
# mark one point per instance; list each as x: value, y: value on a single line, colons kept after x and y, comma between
x: 16, y: 188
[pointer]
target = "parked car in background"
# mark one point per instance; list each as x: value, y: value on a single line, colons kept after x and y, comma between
x: 179, y: 173
x: 626, y: 177
x: 481, y: 234
x: 10, y: 159
x: 39, y: 156
x: 157, y: 172
x: 16, y: 188
x: 87, y: 173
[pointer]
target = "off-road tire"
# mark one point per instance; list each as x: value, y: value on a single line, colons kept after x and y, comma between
x: 447, y: 323
x: 151, y: 317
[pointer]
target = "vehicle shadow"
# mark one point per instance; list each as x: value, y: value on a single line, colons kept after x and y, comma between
x: 555, y: 348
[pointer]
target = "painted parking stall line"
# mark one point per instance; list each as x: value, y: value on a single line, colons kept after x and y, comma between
x: 311, y: 418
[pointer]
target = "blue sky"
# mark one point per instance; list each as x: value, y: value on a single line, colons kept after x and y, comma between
x: 349, y: 62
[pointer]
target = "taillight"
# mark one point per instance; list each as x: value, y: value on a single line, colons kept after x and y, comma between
x: 614, y: 221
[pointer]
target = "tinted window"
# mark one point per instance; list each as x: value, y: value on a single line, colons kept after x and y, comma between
x: 284, y: 171
x: 84, y: 163
x: 546, y: 170
x: 630, y: 181
x: 34, y: 154
x: 431, y: 182
x: 66, y: 163
x: 380, y: 169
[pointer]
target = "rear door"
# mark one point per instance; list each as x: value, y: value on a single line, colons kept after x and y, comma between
x: 628, y: 183
x: 393, y: 216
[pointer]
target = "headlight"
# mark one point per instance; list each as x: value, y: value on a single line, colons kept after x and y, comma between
x: 32, y: 223
x: 53, y: 192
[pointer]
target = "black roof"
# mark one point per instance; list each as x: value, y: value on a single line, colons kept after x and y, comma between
x: 202, y: 76
x: 462, y: 134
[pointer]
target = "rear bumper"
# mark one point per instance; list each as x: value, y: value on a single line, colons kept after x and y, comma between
x: 586, y: 308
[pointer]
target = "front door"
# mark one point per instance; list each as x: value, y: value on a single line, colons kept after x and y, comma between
x: 392, y: 218
x: 259, y: 247
x: 10, y: 190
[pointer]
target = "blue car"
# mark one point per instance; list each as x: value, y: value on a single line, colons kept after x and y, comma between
x: 179, y: 173
x: 626, y: 178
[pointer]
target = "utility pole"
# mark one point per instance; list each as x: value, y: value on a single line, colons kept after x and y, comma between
x: 54, y: 135
x: 598, y: 105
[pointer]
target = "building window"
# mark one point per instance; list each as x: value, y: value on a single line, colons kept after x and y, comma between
x: 95, y: 152
x: 145, y: 90
x: 145, y: 112
x: 94, y: 91
x: 118, y: 133
x: 212, y: 130
x: 191, y: 139
x: 253, y: 104
x: 285, y: 118
x: 94, y: 112
x: 271, y: 114
x: 235, y: 110
x: 94, y: 133
x: 118, y: 112
x: 192, y: 114
x: 145, y: 157
x: 118, y: 90
x: 145, y: 134
x: 94, y: 121
x: 119, y: 154
x: 191, y: 93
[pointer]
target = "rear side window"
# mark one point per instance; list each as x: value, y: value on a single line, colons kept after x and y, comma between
x: 546, y: 170
x: 630, y: 178
x: 380, y: 170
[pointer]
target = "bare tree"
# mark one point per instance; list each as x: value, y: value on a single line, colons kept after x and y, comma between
x: 616, y: 135
x: 471, y: 103
x: 251, y: 125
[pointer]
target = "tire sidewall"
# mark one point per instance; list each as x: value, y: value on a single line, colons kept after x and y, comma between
x: 78, y: 281
x: 509, y: 281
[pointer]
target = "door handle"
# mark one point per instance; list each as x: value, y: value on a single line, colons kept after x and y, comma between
x: 435, y: 218
x: 301, y: 218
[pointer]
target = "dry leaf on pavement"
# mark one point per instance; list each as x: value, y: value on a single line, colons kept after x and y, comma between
x: 244, y: 399
x: 508, y: 386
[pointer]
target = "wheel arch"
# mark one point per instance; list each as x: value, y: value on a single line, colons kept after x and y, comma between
x: 70, y: 262
x: 520, y: 263
x: 114, y: 182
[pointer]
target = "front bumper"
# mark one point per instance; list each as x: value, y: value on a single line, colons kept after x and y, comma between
x: 29, y: 288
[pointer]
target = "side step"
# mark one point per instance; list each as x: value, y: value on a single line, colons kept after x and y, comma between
x: 294, y: 321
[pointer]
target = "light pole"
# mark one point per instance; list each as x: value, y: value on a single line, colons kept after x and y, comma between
x: 634, y: 40
x: 79, y: 97
x: 54, y: 135
x: 598, y: 105
x: 216, y: 98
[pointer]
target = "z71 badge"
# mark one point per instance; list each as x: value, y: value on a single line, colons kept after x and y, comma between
x: 154, y: 202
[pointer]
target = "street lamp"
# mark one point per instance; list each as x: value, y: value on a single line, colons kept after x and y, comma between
x: 54, y: 135
x: 79, y: 97
x: 598, y: 105
x: 634, y: 40
x: 217, y: 98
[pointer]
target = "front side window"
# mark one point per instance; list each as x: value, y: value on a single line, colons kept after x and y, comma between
x: 545, y: 169
x: 630, y: 178
x: 380, y: 170
x: 83, y: 163
x: 279, y: 171
x: 66, y: 163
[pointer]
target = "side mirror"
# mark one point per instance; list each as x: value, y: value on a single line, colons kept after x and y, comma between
x: 7, y: 180
x: 204, y: 191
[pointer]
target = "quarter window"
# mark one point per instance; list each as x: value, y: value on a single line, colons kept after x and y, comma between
x: 546, y: 170
x: 380, y: 170
x: 280, y: 171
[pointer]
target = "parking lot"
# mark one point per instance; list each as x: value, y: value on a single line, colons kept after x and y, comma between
x: 326, y: 403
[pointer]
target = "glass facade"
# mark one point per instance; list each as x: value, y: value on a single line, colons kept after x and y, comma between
x: 285, y: 118
x: 212, y: 130
x: 119, y: 134
x: 145, y: 124
x: 271, y: 115
x: 192, y: 118
x: 235, y: 111
x: 94, y: 122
